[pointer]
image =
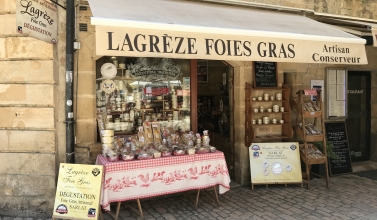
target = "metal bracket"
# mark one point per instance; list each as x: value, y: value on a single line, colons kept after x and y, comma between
x: 56, y: 3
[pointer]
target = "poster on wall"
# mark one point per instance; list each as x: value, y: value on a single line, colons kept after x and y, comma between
x: 275, y: 163
x: 317, y: 85
x: 78, y: 191
x: 37, y: 19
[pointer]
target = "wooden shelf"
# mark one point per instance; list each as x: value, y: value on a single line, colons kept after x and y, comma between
x: 320, y: 160
x: 124, y: 132
x: 162, y: 100
x: 309, y: 138
x: 273, y: 89
x: 314, y: 114
x: 300, y: 119
x: 270, y: 124
x: 255, y: 135
x: 256, y: 113
x: 122, y: 78
x: 270, y: 137
x: 283, y: 100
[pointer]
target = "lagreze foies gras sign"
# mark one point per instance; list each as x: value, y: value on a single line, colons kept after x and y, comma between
x: 38, y: 19
x: 117, y: 41
x: 78, y: 191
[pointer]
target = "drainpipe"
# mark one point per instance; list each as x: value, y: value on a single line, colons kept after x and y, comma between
x: 69, y: 121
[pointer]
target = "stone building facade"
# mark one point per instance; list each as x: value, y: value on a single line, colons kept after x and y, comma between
x: 32, y: 114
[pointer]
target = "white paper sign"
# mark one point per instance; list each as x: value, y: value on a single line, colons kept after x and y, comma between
x: 37, y: 19
x: 318, y: 85
x: 340, y: 92
x: 341, y: 77
x: 332, y: 77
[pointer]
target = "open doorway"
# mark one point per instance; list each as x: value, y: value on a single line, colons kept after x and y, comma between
x: 215, y: 106
x: 359, y: 115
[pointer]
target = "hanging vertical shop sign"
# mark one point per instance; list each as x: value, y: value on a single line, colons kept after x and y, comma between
x: 37, y: 19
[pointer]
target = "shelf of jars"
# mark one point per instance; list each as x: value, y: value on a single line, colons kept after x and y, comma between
x: 127, y: 102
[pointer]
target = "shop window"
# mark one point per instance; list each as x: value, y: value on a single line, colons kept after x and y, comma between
x: 131, y: 91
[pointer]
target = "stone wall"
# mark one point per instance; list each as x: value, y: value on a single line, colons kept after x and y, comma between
x: 353, y: 8
x: 28, y: 134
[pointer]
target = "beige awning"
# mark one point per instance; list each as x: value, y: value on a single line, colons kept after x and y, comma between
x: 195, y: 30
x: 358, y: 28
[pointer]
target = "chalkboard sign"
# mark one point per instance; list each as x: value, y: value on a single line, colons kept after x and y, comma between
x: 265, y: 74
x: 337, y: 135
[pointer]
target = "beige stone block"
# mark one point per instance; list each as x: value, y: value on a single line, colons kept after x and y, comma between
x: 27, y: 48
x: 239, y: 116
x: 89, y: 77
x: 4, y: 140
x: 374, y: 110
x: 293, y: 78
x: 374, y: 95
x: 374, y: 79
x: 27, y: 71
x: 373, y: 144
x: 31, y: 141
x: 24, y: 206
x: 23, y: 94
x: 237, y: 77
x: 86, y: 108
x: 240, y: 134
x: 8, y: 24
x: 87, y: 53
x: 86, y: 131
x: 7, y: 6
x: 374, y: 125
x: 239, y: 96
x: 29, y: 185
x: 22, y: 118
x: 2, y: 48
x: 248, y: 74
x: 13, y: 206
x: 27, y: 163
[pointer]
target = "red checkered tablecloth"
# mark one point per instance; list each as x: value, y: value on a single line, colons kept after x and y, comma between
x: 128, y: 180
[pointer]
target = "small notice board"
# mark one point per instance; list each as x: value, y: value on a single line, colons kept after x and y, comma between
x: 265, y: 74
x: 275, y: 163
x: 78, y: 191
x: 336, y: 134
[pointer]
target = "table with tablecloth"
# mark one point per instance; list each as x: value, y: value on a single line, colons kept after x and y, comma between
x: 137, y: 179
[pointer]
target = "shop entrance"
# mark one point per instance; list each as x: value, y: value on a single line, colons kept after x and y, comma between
x: 215, y: 106
x: 359, y: 115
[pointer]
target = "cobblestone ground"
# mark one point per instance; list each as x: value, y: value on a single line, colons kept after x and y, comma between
x: 349, y: 197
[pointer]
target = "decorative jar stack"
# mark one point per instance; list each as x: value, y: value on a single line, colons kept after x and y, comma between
x: 137, y: 99
x: 174, y: 101
x: 107, y: 139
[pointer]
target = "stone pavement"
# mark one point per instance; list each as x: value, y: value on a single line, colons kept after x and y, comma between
x: 349, y: 197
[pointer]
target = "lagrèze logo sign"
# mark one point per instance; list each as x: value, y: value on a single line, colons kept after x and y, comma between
x: 117, y: 41
x: 38, y: 19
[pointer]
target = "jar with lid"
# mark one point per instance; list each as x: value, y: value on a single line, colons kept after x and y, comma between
x: 139, y: 121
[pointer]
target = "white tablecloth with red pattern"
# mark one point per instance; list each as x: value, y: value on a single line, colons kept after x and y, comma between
x: 137, y: 179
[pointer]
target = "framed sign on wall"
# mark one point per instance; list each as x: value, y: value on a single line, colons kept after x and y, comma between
x: 336, y: 101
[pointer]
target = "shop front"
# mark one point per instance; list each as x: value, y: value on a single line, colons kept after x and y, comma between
x: 193, y: 36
